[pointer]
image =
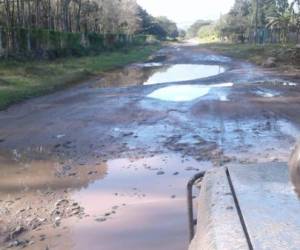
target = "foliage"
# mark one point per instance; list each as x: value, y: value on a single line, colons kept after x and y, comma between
x: 73, y: 27
x: 208, y: 33
x: 160, y: 27
x: 43, y: 43
x: 22, y: 80
x: 169, y: 27
x: 99, y: 16
x: 256, y: 21
x: 196, y: 26
x: 284, y: 54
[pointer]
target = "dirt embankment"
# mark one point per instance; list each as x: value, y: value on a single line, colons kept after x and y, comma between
x: 276, y: 57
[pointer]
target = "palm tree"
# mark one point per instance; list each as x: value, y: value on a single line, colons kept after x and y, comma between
x: 282, y: 21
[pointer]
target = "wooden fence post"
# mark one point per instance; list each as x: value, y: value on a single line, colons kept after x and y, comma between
x: 28, y: 40
x: 1, y: 44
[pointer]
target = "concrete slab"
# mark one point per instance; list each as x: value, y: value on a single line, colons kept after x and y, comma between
x: 218, y: 224
x: 270, y: 207
x: 248, y: 207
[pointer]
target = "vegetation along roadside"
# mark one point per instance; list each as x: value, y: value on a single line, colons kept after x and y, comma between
x: 23, y: 80
x: 268, y: 55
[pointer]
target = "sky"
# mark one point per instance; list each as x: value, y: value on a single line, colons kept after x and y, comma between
x: 185, y: 12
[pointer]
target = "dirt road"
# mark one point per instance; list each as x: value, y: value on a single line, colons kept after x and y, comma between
x: 104, y: 165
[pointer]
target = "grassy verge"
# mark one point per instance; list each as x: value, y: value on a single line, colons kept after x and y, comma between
x: 256, y: 53
x: 23, y: 80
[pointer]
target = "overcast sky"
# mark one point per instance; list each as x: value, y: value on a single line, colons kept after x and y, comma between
x: 185, y: 12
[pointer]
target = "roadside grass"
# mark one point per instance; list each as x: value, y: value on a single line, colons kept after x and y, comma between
x: 256, y: 53
x: 23, y: 80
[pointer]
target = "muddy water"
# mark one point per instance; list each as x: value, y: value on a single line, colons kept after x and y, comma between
x: 106, y: 168
x: 155, y: 73
x: 184, y: 72
x: 183, y: 93
x: 139, y: 201
x: 148, y: 196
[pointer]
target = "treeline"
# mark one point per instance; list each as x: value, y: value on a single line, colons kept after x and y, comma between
x: 257, y: 21
x: 99, y: 16
x: 38, y: 26
x: 49, y: 44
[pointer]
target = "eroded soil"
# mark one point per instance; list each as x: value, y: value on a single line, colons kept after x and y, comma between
x: 104, y: 165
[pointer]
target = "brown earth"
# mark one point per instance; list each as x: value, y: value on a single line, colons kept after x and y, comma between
x: 105, y: 168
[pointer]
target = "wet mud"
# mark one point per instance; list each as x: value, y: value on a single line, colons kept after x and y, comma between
x: 104, y: 165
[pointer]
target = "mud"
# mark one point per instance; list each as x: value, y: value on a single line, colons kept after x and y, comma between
x: 104, y: 165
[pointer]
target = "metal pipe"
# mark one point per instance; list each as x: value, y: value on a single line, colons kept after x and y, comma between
x: 190, y: 185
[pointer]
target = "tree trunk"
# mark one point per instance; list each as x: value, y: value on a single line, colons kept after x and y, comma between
x: 57, y: 16
x: 28, y: 41
x: 49, y: 14
x: 256, y: 21
x: 18, y: 13
x: 1, y: 45
x: 22, y: 14
x: 78, y: 16
x: 37, y: 13
x: 29, y: 23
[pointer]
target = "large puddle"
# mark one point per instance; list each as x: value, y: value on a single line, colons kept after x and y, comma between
x: 183, y: 93
x: 184, y: 72
x: 130, y: 203
x: 155, y: 73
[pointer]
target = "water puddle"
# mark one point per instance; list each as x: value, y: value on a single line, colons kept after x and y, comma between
x: 212, y: 58
x: 184, y: 72
x: 131, y: 76
x: 140, y: 202
x: 129, y: 203
x: 150, y: 65
x: 267, y: 93
x: 290, y: 84
x: 156, y: 72
x: 184, y: 93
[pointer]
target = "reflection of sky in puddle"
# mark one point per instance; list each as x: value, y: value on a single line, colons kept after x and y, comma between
x: 289, y: 84
x: 127, y: 204
x: 267, y: 93
x: 184, y: 72
x: 212, y: 58
x: 151, y: 65
x: 183, y: 93
x: 156, y: 72
x: 129, y: 176
x: 145, y: 199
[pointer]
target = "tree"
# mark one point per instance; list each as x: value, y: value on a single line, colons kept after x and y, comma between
x: 236, y: 24
x: 195, y: 27
x: 282, y: 19
x: 296, y: 17
x: 100, y: 16
x: 259, y: 20
x: 168, y: 26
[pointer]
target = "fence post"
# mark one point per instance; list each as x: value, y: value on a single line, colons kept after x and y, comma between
x: 1, y: 43
x: 28, y: 40
x: 83, y: 40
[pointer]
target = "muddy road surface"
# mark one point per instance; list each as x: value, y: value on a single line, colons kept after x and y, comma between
x: 104, y: 165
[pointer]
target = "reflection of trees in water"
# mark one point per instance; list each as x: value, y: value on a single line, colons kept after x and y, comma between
x: 130, y: 76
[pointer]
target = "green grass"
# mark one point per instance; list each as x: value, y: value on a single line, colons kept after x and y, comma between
x: 23, y: 80
x: 255, y: 53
